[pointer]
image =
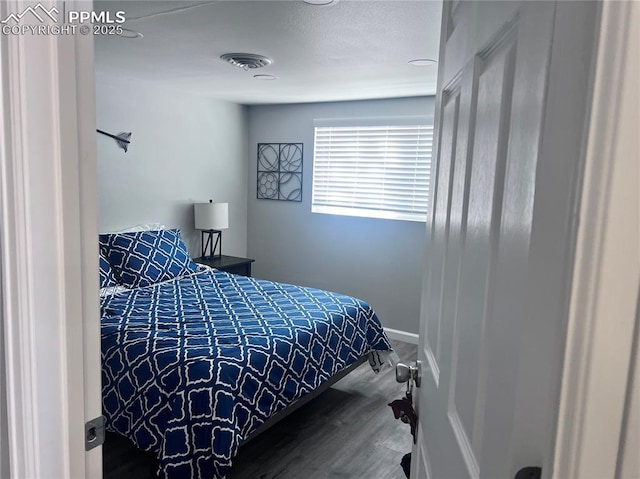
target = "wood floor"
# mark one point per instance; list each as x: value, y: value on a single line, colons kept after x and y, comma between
x: 347, y: 432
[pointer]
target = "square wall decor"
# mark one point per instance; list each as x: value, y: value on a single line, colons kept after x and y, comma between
x: 279, y: 171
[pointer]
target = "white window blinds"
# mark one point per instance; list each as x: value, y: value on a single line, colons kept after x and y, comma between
x: 372, y: 171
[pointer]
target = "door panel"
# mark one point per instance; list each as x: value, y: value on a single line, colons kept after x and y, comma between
x: 468, y: 368
x: 440, y: 230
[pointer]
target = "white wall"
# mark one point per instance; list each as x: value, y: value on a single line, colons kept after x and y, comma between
x: 628, y: 460
x: 4, y: 428
x: 379, y: 261
x: 184, y: 149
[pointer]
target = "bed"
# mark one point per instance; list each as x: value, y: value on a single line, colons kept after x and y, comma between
x: 194, y: 365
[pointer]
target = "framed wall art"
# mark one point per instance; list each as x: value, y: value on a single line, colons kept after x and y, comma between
x: 279, y: 171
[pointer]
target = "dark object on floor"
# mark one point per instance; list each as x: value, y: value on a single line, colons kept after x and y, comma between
x: 531, y: 472
x: 405, y: 463
x: 403, y: 410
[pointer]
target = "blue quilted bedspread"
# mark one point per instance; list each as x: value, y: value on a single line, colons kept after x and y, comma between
x: 191, y: 366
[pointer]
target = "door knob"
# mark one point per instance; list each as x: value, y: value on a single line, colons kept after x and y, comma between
x: 404, y: 372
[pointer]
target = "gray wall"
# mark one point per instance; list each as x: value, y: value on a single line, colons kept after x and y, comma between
x: 184, y: 149
x: 379, y: 261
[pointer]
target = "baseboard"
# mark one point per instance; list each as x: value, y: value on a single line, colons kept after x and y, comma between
x: 398, y: 335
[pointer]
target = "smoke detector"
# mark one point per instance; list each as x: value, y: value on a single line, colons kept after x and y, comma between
x: 422, y: 62
x: 246, y: 61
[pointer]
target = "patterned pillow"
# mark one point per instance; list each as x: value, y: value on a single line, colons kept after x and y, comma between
x: 106, y: 275
x: 142, y: 258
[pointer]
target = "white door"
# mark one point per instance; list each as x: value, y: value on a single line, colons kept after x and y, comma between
x: 512, y: 96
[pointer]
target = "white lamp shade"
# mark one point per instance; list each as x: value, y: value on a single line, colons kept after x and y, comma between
x: 211, y: 216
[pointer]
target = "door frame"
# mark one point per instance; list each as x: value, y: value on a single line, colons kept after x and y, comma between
x: 49, y: 81
x: 48, y: 249
x: 606, y: 277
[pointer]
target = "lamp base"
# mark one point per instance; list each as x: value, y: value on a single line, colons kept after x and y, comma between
x: 209, y: 244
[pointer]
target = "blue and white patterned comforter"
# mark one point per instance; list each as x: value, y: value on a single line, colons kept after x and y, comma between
x: 191, y: 366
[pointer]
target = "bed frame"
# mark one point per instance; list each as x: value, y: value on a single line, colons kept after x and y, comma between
x: 279, y: 416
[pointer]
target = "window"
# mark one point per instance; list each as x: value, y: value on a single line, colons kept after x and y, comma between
x: 375, y: 171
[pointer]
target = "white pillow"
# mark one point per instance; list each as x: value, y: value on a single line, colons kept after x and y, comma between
x: 143, y: 227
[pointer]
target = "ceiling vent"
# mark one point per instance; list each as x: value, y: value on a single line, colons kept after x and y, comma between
x: 246, y: 61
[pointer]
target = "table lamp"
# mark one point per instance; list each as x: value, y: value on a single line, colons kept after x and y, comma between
x: 211, y: 218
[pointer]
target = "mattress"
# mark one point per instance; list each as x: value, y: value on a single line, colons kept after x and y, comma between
x: 191, y: 366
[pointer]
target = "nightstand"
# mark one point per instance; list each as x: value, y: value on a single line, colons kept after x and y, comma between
x: 229, y: 264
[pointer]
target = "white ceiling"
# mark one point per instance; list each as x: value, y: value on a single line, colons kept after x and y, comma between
x: 351, y: 50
